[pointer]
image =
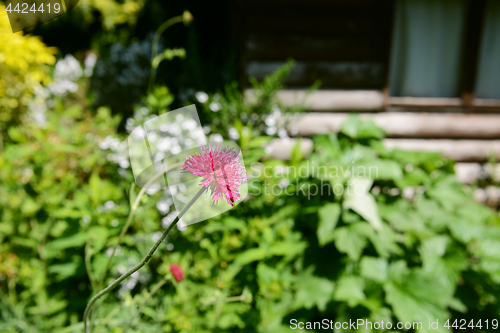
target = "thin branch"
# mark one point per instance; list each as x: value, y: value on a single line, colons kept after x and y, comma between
x: 113, y: 285
x: 154, y: 46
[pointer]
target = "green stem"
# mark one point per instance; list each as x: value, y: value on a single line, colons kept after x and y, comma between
x: 154, y: 46
x: 88, y: 266
x: 130, y: 217
x: 113, y: 285
x: 1, y: 140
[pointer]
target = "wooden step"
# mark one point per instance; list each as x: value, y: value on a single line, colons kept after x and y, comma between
x: 332, y: 100
x: 374, y: 100
x: 458, y: 150
x: 406, y: 125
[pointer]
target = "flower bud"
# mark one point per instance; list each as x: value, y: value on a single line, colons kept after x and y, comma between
x: 187, y: 17
x: 177, y: 272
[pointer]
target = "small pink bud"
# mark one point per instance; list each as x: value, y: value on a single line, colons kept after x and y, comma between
x: 177, y: 272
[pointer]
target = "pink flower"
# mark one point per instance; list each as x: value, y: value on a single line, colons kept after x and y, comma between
x: 221, y: 170
x: 177, y: 272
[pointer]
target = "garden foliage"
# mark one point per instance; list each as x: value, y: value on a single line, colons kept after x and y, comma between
x: 353, y: 231
x: 414, y: 247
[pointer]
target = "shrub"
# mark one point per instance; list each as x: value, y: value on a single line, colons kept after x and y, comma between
x: 24, y: 68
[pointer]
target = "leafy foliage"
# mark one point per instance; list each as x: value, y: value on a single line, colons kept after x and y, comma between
x: 353, y: 231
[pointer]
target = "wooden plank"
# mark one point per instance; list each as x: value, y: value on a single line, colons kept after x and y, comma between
x: 458, y: 150
x: 406, y: 125
x: 272, y: 47
x: 487, y: 103
x: 331, y: 100
x: 371, y: 100
x: 473, y: 104
x: 282, y: 148
x: 335, y: 75
x: 425, y: 101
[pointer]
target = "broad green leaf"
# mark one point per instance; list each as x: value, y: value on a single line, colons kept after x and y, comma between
x: 65, y: 270
x: 374, y: 268
x: 266, y: 274
x: 251, y: 255
x: 410, y: 309
x: 350, y: 289
x: 357, y: 198
x: 377, y: 169
x: 328, y: 218
x: 75, y: 240
x: 449, y: 193
x: 98, y: 236
x: 349, y: 241
x: 313, y: 291
x: 356, y: 128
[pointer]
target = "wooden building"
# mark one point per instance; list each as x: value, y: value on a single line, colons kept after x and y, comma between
x: 427, y: 71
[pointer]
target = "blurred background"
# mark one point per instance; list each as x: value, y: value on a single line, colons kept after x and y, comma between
x: 410, y: 88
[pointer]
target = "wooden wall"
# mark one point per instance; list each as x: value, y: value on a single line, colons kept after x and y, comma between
x: 346, y: 44
x: 343, y: 43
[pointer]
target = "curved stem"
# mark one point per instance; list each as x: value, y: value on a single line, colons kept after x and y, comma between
x: 130, y: 217
x: 154, y: 46
x: 113, y: 285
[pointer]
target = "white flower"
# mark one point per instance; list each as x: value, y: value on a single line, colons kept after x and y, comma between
x: 233, y: 134
x: 215, y: 106
x: 201, y: 96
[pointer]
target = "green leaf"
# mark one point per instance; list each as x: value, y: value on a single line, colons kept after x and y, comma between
x: 267, y: 274
x: 313, y: 291
x: 449, y: 193
x: 95, y: 184
x: 98, y: 236
x: 374, y: 268
x: 357, y: 198
x: 251, y: 255
x: 150, y: 312
x: 350, y: 290
x: 75, y: 240
x: 413, y: 308
x: 65, y: 270
x: 356, y: 128
x: 349, y: 241
x: 328, y: 218
x: 378, y: 169
x: 296, y: 155
x: 287, y: 248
